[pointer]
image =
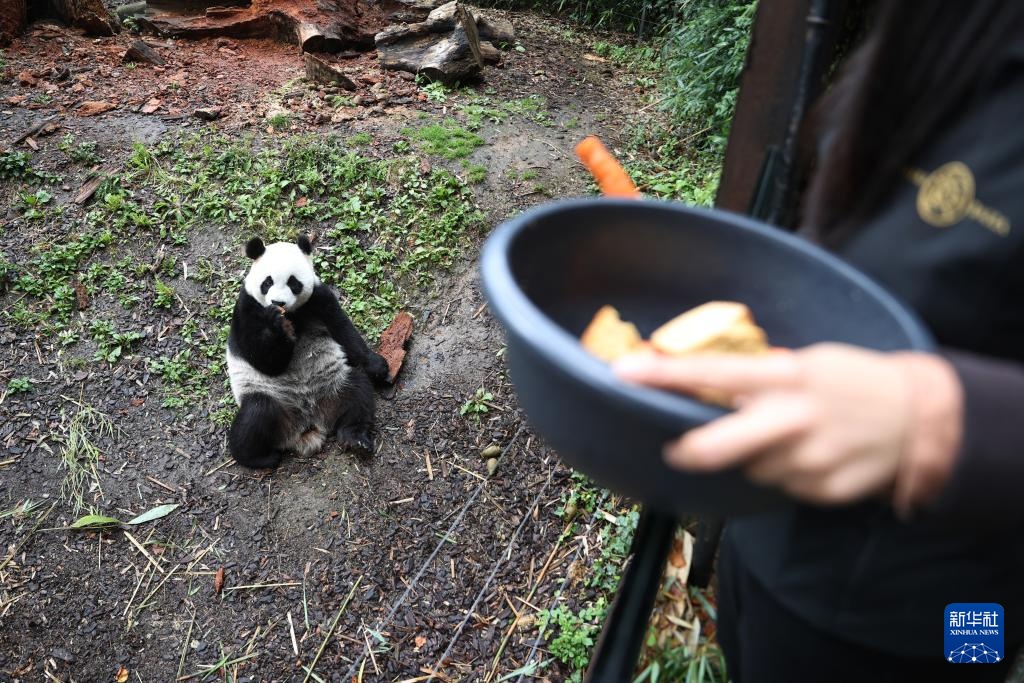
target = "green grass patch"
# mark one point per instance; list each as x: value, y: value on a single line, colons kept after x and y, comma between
x: 280, y: 121
x: 475, y: 173
x: 533, y: 108
x: 448, y: 140
x: 386, y: 230
x: 339, y: 101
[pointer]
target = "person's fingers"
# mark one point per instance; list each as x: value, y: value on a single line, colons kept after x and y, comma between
x: 772, y: 466
x: 731, y: 373
x: 844, y: 483
x: 735, y: 438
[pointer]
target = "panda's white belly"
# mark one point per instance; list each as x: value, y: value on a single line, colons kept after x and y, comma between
x: 318, y: 370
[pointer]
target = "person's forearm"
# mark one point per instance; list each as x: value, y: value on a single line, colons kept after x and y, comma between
x: 934, y: 431
x: 987, y: 474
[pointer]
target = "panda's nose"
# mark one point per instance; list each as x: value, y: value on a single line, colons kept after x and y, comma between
x: 278, y: 303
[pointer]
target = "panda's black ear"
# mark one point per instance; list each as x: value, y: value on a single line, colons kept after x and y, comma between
x: 254, y: 248
x: 305, y: 245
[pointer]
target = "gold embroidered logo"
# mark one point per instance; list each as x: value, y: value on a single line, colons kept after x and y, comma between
x: 946, y: 197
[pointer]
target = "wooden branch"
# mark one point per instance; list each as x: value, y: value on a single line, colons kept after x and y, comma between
x: 320, y: 71
x: 468, y: 23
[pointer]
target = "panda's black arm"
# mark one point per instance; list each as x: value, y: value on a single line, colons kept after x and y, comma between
x: 261, y: 335
x: 323, y: 304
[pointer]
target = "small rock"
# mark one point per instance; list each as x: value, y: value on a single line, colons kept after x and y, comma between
x: 207, y: 113
x: 492, y: 465
x: 63, y: 655
x: 92, y: 108
x: 151, y: 106
x: 492, y: 451
x: 140, y: 52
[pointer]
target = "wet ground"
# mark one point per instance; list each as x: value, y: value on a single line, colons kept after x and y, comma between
x: 415, y: 564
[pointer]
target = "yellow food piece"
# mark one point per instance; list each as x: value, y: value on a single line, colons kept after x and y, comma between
x: 717, y: 326
x: 714, y: 327
x: 608, y: 337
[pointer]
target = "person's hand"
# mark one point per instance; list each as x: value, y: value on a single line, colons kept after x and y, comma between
x: 828, y: 424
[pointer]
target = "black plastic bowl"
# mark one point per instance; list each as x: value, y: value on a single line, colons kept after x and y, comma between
x: 547, y: 271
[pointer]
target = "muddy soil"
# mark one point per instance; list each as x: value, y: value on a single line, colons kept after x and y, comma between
x: 417, y: 560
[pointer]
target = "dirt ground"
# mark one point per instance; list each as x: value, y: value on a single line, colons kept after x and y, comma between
x: 417, y: 560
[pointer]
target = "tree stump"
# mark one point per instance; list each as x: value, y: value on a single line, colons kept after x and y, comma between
x: 89, y: 15
x: 314, y: 25
x: 13, y: 14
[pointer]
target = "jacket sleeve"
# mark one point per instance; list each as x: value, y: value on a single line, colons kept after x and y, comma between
x: 988, y: 475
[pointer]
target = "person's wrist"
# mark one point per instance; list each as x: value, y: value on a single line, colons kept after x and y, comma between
x: 934, y: 429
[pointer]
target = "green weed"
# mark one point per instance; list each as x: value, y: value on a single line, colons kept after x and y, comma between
x: 360, y: 139
x: 34, y: 204
x: 164, y: 296
x: 19, y: 385
x: 15, y: 165
x: 111, y: 344
x: 573, y: 633
x: 83, y: 153
x: 434, y: 90
x: 477, y: 404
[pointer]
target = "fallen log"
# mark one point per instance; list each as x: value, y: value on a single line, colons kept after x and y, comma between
x: 314, y: 25
x: 130, y: 10
x: 445, y: 47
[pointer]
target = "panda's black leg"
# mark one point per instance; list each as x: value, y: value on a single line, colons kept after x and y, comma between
x: 354, y: 427
x: 256, y: 432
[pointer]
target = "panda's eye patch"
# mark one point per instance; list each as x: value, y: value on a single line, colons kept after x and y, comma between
x: 294, y: 285
x: 267, y: 284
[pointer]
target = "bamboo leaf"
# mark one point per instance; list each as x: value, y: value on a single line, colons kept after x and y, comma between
x: 94, y: 522
x: 156, y: 513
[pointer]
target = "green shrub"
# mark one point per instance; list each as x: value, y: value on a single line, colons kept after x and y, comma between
x: 703, y: 58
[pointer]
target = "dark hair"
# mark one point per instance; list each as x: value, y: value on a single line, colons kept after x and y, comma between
x: 921, y: 64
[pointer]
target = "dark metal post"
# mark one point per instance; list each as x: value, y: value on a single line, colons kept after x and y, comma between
x: 624, y: 629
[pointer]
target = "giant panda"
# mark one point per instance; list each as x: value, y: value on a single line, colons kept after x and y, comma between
x: 299, y: 369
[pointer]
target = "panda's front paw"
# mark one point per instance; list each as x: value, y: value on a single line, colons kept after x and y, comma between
x: 279, y: 321
x: 357, y: 438
x: 377, y: 369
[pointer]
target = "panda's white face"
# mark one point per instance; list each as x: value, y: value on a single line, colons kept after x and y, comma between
x: 281, y: 274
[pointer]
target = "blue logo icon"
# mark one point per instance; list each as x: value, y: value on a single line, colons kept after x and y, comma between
x: 974, y: 633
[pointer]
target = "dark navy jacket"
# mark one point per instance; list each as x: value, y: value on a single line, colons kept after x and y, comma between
x: 949, y: 242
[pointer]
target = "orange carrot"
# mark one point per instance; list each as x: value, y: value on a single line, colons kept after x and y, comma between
x: 606, y: 169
